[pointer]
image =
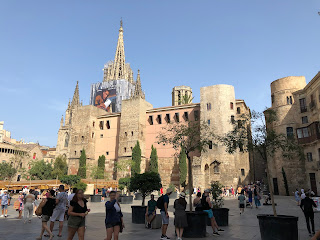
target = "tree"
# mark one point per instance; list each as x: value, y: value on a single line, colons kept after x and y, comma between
x: 96, y: 173
x: 146, y: 183
x: 102, y: 162
x: 124, y: 183
x: 216, y: 191
x: 60, y: 167
x: 183, y: 168
x: 154, y: 160
x: 264, y: 140
x: 186, y: 99
x: 7, y: 171
x: 82, y: 172
x: 187, y: 137
x: 285, y: 182
x: 136, y: 159
x: 70, y: 180
x: 40, y: 170
x: 80, y: 185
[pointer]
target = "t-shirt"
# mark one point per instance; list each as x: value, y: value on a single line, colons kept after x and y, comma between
x: 36, y: 194
x: 152, y: 205
x: 48, y: 207
x: 241, y: 199
x: 63, y: 198
x: 77, y: 208
x: 250, y: 194
x: 103, y: 191
x: 4, y: 199
x: 165, y: 200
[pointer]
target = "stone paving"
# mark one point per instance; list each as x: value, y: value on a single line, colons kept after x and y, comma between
x: 245, y: 226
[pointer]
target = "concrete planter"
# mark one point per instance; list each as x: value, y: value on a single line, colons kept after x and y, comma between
x: 196, y: 225
x: 126, y: 199
x: 280, y: 227
x: 95, y: 198
x: 138, y: 196
x: 138, y: 214
x: 221, y: 215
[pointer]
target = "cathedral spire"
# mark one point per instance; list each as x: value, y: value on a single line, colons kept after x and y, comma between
x: 138, y: 89
x: 119, y: 71
x: 75, y: 100
x: 61, y: 122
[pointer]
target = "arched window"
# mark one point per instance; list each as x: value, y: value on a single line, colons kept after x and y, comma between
x: 66, y: 140
x: 216, y: 168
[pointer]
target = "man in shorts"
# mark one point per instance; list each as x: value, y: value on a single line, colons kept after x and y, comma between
x: 5, y: 202
x: 242, y: 200
x: 104, y: 193
x: 165, y: 214
x: 151, y: 211
x: 60, y: 209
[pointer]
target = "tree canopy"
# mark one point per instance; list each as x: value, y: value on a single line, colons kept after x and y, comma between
x: 136, y: 159
x: 70, y: 180
x: 154, y: 160
x: 60, y: 167
x: 40, y: 170
x: 82, y: 172
x: 7, y: 171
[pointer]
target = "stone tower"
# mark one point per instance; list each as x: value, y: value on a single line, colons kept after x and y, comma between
x: 118, y: 69
x: 138, y: 89
x: 178, y: 93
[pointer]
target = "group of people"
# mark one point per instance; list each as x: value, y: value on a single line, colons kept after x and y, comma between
x: 250, y: 193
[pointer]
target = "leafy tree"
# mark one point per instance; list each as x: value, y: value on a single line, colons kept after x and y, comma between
x: 96, y: 173
x: 146, y: 183
x: 60, y: 167
x: 136, y: 159
x: 183, y: 168
x: 187, y: 137
x: 216, y: 190
x: 7, y: 171
x: 82, y: 172
x: 124, y: 182
x: 102, y: 162
x: 80, y: 185
x: 186, y: 99
x: 70, y: 180
x: 285, y: 182
x: 40, y: 170
x: 154, y: 160
x: 264, y: 140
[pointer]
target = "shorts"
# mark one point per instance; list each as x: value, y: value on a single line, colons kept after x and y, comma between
x: 165, y: 219
x: 45, y: 218
x: 4, y: 206
x: 241, y: 205
x: 210, y: 213
x: 104, y: 195
x: 111, y: 225
x: 58, y: 214
x: 250, y: 199
x: 76, y: 222
x: 150, y: 213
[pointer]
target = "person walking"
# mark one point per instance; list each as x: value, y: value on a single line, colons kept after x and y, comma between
x: 165, y: 214
x: 242, y: 200
x: 114, y: 217
x: 249, y: 194
x: 303, y: 195
x: 77, y: 215
x: 307, y: 205
x: 5, y: 202
x: 180, y: 216
x: 20, y: 208
x: 47, y: 204
x: 104, y: 193
x: 28, y: 206
x: 197, y: 202
x: 297, y: 196
x: 256, y: 197
x: 36, y: 194
x: 59, y: 211
x: 151, y: 211
x: 207, y: 207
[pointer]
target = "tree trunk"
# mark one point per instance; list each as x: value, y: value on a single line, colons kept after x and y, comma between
x: 143, y: 198
x: 190, y: 182
x: 270, y: 184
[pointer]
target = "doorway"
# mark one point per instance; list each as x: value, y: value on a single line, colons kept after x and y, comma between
x: 275, y: 186
x: 313, y: 183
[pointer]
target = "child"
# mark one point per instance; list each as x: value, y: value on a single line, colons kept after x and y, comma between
x: 242, y: 200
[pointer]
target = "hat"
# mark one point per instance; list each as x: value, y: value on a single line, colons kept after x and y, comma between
x: 207, y: 191
x: 169, y: 190
x: 182, y: 195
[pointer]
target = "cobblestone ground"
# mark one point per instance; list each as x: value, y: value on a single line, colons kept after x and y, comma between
x: 245, y: 226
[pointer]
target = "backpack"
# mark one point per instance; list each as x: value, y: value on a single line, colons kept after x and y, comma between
x: 160, y: 202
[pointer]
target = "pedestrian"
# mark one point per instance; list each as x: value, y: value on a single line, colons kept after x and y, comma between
x: 77, y: 215
x: 303, y: 195
x: 28, y: 206
x: 104, y: 193
x: 307, y: 205
x: 161, y: 191
x: 70, y: 197
x: 180, y: 216
x: 256, y: 197
x: 197, y: 202
x: 20, y: 200
x: 59, y: 210
x: 207, y: 207
x: 114, y: 217
x: 151, y: 211
x: 242, y: 200
x: 47, y: 204
x: 36, y: 194
x: 5, y: 202
x: 232, y: 191
x: 249, y: 194
x: 165, y: 214
x: 297, y: 197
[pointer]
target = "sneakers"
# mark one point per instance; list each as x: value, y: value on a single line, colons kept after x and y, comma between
x: 2, y: 215
x: 216, y: 234
x: 164, y: 237
x: 149, y: 225
x: 220, y: 230
x: 6, y: 215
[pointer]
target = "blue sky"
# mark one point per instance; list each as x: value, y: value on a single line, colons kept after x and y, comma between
x: 46, y: 46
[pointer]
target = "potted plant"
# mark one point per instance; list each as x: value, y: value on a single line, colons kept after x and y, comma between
x: 124, y: 184
x: 185, y: 137
x: 266, y: 141
x: 96, y: 172
x: 221, y: 214
x: 145, y: 183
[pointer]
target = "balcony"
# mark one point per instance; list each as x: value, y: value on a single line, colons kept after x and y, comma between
x: 308, y: 134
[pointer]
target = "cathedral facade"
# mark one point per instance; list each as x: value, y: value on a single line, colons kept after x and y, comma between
x: 119, y: 115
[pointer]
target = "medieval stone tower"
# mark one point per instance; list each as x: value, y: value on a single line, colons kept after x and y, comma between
x: 178, y: 94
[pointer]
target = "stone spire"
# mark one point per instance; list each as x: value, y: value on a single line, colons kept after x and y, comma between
x: 61, y: 122
x: 138, y: 89
x: 75, y: 100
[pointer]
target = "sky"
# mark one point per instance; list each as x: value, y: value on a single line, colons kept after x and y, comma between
x: 47, y: 46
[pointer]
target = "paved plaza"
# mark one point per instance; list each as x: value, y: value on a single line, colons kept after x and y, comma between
x: 245, y: 226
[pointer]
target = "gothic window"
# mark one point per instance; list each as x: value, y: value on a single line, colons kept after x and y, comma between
x: 101, y: 125
x: 216, y: 169
x: 159, y: 120
x: 176, y: 115
x: 168, y: 118
x: 238, y: 110
x: 66, y: 140
x: 289, y: 132
x: 242, y: 172
x: 231, y: 105
x: 186, y: 116
x: 150, y: 120
x: 108, y: 124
